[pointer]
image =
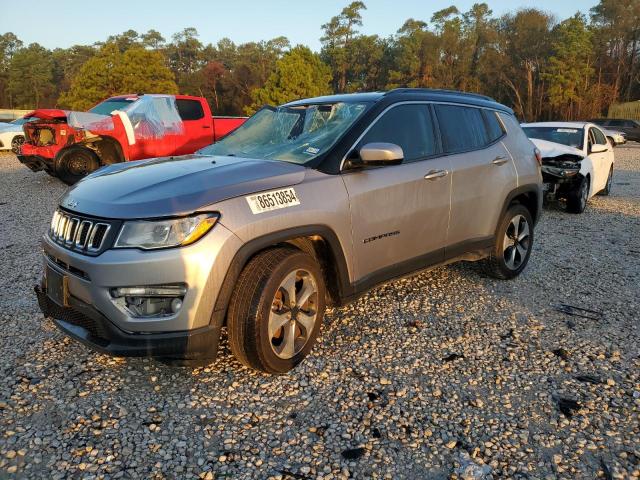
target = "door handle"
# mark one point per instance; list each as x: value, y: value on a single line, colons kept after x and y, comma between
x: 434, y: 174
x: 500, y: 160
x: 206, y: 126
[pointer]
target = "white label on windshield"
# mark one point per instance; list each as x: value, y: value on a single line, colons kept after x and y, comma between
x: 273, y: 200
x: 312, y: 150
x: 566, y: 130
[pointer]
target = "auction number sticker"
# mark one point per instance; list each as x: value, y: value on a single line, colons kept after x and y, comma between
x: 273, y: 200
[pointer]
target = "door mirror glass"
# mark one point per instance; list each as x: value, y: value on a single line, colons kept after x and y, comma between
x: 379, y: 154
x: 598, y: 148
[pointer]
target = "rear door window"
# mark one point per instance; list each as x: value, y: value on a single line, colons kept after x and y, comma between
x: 461, y: 128
x: 410, y: 127
x: 189, y: 109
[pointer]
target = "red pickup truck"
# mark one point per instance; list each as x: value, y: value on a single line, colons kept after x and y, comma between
x: 70, y: 145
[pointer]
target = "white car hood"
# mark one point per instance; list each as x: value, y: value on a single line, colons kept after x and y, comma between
x: 552, y: 149
x: 10, y: 128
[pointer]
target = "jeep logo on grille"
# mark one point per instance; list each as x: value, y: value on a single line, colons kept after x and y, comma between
x: 72, y: 204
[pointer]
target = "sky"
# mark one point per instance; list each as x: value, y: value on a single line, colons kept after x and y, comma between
x: 63, y: 23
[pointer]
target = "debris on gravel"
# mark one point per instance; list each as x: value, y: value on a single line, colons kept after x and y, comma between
x: 448, y: 374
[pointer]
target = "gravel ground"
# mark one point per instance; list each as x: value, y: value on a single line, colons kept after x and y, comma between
x: 445, y: 375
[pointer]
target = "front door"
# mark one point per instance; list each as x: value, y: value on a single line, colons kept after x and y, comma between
x: 400, y: 214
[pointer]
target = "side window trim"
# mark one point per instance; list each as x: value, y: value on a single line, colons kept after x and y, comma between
x: 195, y: 102
x: 436, y: 131
x: 474, y: 149
x: 603, y: 137
x: 500, y: 124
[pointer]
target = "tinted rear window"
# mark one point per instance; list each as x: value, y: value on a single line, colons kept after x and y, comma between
x: 410, y: 127
x: 462, y: 128
x: 190, y: 109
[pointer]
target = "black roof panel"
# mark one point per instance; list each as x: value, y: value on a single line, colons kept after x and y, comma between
x: 402, y: 94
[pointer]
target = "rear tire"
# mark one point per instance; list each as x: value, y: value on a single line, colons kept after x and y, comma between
x: 76, y: 163
x: 276, y: 310
x: 577, y: 199
x: 513, y: 244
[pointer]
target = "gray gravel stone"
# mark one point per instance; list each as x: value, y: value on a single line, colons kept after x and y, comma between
x: 447, y: 374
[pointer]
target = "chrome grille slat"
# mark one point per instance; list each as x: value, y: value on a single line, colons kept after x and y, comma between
x: 77, y: 233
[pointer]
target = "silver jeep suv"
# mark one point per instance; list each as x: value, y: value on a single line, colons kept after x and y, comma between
x: 305, y: 205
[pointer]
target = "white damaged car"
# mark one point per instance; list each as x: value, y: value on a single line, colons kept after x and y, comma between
x: 11, y: 134
x: 577, y: 160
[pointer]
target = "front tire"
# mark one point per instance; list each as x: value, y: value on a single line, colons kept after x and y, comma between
x: 276, y: 310
x: 76, y: 163
x: 513, y: 244
x: 577, y: 199
x: 16, y: 143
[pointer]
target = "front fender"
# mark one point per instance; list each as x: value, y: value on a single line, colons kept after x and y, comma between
x: 586, y: 169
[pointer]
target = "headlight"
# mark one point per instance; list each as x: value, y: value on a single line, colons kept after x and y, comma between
x: 151, y: 234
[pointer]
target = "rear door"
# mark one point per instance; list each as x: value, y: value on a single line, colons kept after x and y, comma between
x: 483, y: 174
x: 400, y: 214
x: 198, y: 129
x: 602, y: 161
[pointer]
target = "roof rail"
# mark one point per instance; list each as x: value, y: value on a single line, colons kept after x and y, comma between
x: 438, y: 91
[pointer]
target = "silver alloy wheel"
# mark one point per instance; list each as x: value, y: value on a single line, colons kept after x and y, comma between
x: 293, y: 313
x: 517, y: 242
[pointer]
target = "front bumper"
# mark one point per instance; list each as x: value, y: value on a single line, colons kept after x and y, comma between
x: 36, y: 163
x: 94, y: 318
x: 87, y: 325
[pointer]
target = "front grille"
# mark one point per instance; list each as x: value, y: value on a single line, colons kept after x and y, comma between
x: 82, y: 234
x: 67, y: 267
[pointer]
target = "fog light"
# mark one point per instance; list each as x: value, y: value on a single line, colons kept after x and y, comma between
x: 176, y: 304
x: 151, y: 301
x: 153, y: 291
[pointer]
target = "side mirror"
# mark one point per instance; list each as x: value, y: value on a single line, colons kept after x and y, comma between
x: 598, y: 148
x: 377, y: 154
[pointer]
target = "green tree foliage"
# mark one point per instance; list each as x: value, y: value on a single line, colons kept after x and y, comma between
x: 67, y: 63
x: 542, y: 67
x: 9, y: 45
x: 337, y: 42
x: 111, y: 72
x: 570, y: 69
x: 617, y: 39
x: 298, y: 74
x: 525, y: 39
x: 232, y: 72
x: 30, y: 79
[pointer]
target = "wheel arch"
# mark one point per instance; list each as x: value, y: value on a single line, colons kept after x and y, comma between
x: 528, y: 195
x: 109, y: 150
x: 320, y: 241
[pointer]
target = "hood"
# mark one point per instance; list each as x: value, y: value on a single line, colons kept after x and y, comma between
x: 48, y: 114
x: 175, y: 185
x: 10, y: 127
x: 552, y: 149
